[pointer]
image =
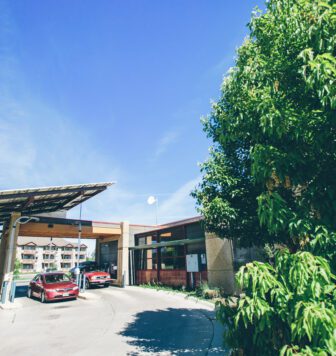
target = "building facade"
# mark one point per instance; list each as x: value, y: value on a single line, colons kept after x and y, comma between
x: 36, y: 254
x: 182, y: 253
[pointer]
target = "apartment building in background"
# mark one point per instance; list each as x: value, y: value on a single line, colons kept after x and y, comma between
x: 36, y: 254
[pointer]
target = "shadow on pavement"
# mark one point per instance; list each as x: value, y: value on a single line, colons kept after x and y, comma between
x: 174, y: 331
x: 21, y: 291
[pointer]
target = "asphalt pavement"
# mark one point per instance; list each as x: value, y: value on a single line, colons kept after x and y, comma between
x: 111, y: 321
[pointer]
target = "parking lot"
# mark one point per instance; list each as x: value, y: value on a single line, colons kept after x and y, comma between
x: 111, y: 321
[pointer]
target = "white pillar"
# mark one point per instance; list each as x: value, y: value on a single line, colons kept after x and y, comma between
x: 123, y: 252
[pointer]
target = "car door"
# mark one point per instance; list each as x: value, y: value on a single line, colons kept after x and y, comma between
x: 39, y: 286
x: 34, y: 285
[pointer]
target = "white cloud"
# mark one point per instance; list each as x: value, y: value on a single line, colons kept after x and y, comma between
x: 165, y: 141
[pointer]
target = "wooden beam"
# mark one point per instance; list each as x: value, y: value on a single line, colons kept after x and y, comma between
x: 28, y: 202
x: 68, y: 231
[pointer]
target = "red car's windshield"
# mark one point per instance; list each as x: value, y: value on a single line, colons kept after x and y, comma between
x: 56, y: 278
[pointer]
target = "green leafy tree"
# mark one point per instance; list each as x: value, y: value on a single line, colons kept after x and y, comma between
x: 17, y: 268
x: 271, y: 174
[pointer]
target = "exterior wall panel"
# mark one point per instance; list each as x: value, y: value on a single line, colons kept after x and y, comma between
x: 220, y: 263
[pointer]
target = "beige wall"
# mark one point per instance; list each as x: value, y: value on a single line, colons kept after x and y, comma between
x: 220, y: 263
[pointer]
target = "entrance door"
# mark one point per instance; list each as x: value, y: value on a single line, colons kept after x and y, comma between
x: 109, y: 257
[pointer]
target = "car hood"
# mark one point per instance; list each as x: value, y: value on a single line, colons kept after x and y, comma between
x: 96, y: 273
x: 60, y: 285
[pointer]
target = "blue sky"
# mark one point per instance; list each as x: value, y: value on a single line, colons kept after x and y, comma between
x: 113, y: 90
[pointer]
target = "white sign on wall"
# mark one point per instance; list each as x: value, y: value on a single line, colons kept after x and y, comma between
x: 192, y: 263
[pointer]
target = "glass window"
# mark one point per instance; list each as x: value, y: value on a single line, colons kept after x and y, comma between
x: 27, y: 257
x: 146, y: 259
x: 65, y: 265
x: 173, y: 263
x: 176, y: 233
x: 27, y: 266
x: 198, y: 248
x: 146, y: 240
x: 66, y: 257
x: 141, y: 241
x: 49, y: 248
x: 28, y: 247
x: 172, y: 251
x: 56, y: 278
x: 195, y: 231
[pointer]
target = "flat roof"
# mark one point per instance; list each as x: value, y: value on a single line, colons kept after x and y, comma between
x: 32, y: 201
x: 159, y: 228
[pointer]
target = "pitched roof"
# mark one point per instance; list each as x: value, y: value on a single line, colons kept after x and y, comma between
x: 44, y: 241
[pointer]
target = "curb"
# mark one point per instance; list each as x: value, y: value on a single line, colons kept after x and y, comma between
x: 10, y: 306
x: 182, y: 295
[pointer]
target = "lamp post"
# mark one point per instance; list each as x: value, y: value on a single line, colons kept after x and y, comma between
x: 21, y: 220
x: 77, y: 269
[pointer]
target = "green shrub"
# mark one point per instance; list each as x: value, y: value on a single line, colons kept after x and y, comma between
x: 288, y: 308
x: 17, y: 268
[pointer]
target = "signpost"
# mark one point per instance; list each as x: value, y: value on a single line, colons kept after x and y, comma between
x: 192, y: 266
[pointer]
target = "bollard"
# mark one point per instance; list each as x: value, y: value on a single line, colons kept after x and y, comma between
x: 84, y: 282
x: 12, y: 292
x: 4, y: 292
x: 80, y: 285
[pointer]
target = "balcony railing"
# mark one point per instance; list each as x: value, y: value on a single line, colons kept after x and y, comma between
x: 28, y: 260
x: 48, y: 259
x: 29, y: 252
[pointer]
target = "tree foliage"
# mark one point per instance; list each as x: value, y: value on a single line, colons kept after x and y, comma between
x: 288, y: 308
x: 17, y: 268
x: 271, y: 175
x: 274, y: 130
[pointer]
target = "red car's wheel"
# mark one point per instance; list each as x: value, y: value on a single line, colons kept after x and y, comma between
x: 87, y: 284
x: 43, y: 297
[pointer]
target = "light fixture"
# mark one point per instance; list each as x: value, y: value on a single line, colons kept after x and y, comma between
x: 154, y: 200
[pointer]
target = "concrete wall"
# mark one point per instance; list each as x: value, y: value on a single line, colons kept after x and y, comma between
x: 125, y: 240
x: 220, y: 263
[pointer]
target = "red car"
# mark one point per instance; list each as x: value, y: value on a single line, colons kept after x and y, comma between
x: 97, y: 278
x: 93, y: 277
x: 52, y: 286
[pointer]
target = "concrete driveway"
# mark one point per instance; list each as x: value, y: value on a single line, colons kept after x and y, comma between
x: 111, y: 321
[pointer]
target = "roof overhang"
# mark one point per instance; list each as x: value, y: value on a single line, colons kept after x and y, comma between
x: 46, y: 200
x: 168, y: 243
x: 68, y: 228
